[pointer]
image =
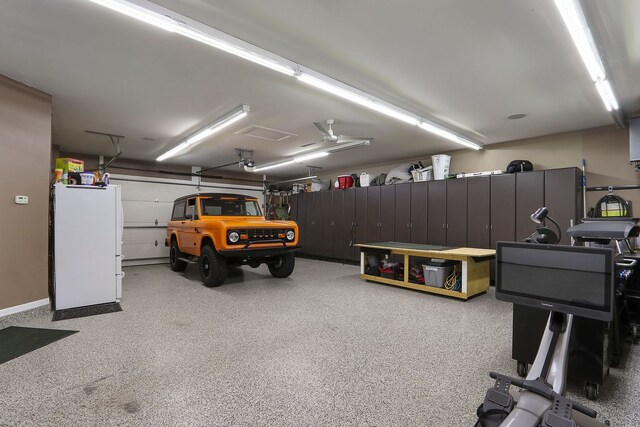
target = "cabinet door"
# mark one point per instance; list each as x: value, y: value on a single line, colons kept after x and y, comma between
x: 402, y: 207
x: 387, y: 213
x: 437, y: 213
x: 478, y: 212
x: 419, y: 212
x: 529, y: 197
x: 373, y: 214
x: 361, y: 216
x: 457, y: 212
x: 349, y: 222
x: 326, y: 241
x: 303, y: 201
x: 503, y: 208
x: 293, y: 207
x: 562, y: 198
x: 339, y: 231
x: 316, y: 223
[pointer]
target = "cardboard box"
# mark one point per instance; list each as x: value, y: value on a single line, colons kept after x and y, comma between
x: 70, y: 165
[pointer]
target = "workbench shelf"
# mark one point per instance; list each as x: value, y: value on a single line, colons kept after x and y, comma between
x: 474, y: 266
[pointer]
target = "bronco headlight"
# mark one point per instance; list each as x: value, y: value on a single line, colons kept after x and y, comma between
x: 290, y: 235
x: 234, y: 237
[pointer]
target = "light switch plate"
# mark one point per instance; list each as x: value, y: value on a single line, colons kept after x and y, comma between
x: 22, y: 200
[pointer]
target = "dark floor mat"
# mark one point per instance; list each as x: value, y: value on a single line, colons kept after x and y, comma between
x: 16, y: 341
x: 92, y: 310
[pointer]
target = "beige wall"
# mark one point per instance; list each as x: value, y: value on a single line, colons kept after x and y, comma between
x: 605, y: 149
x: 25, y: 138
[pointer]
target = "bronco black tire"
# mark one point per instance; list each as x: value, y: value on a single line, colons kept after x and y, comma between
x: 213, y: 267
x: 174, y: 254
x: 283, y: 266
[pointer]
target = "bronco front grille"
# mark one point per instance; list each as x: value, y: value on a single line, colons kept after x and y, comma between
x: 263, y: 233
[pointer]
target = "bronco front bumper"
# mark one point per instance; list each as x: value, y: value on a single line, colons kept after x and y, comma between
x: 249, y: 252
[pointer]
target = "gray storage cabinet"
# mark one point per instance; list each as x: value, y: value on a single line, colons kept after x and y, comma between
x: 419, y: 212
x: 562, y: 198
x: 349, y: 223
x: 437, y: 213
x: 479, y: 212
x: 475, y: 212
x: 529, y: 197
x: 456, y: 212
x: 503, y: 208
x: 325, y: 248
x: 360, y: 216
x: 402, y: 230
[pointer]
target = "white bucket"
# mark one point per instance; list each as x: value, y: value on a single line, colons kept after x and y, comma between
x: 86, y: 178
x: 440, y: 166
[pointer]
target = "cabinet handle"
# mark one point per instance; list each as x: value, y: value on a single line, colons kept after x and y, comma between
x: 447, y: 226
x: 443, y: 225
x: 408, y: 225
x: 486, y: 227
x: 492, y: 226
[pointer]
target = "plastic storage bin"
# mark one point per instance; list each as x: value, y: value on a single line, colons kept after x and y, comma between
x: 436, y: 272
x: 365, y: 179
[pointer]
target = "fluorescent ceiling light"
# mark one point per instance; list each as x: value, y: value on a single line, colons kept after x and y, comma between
x: 365, y: 101
x: 139, y: 13
x: 239, y: 48
x: 175, y: 150
x: 273, y: 166
x: 306, y: 157
x: 576, y: 23
x: 227, y: 120
x: 301, y: 159
x: 449, y: 135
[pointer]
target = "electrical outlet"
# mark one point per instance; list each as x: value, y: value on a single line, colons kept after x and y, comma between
x: 22, y: 200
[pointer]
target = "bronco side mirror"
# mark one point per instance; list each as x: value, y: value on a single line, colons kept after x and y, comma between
x: 188, y: 217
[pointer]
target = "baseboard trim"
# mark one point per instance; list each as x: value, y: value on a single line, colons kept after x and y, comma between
x: 23, y: 307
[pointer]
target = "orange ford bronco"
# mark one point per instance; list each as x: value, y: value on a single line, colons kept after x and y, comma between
x: 218, y: 230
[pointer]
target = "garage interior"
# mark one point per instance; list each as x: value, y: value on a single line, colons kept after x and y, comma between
x: 382, y: 135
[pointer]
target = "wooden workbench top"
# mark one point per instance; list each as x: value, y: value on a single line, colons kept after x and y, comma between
x: 430, y: 250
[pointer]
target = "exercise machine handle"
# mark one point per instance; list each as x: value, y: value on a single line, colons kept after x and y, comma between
x: 534, y: 386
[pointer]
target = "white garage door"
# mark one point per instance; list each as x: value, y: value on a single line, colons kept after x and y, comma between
x: 147, y: 205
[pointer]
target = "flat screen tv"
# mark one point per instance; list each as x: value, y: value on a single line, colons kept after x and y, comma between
x: 567, y: 279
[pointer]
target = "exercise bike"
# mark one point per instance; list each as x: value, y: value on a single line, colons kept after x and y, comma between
x: 567, y: 281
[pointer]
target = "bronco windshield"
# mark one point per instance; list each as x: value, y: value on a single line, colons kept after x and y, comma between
x: 230, y: 207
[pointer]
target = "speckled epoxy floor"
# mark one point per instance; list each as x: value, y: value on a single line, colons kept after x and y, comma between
x: 319, y: 348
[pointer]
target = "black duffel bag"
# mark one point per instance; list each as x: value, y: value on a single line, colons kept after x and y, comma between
x: 519, y: 166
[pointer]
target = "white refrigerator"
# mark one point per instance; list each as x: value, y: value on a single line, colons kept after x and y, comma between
x: 87, y: 254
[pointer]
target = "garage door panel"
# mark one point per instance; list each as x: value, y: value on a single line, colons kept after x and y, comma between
x: 144, y: 251
x: 151, y: 191
x: 134, y: 236
x: 138, y: 212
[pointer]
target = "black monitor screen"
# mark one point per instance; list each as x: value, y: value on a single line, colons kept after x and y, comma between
x: 567, y: 279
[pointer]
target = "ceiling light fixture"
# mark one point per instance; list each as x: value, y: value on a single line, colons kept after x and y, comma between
x: 364, y: 100
x: 318, y: 154
x: 306, y: 157
x: 148, y: 12
x: 449, y: 135
x: 576, y: 23
x: 227, y: 120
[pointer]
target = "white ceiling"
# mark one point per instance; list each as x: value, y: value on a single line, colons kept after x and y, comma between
x: 468, y: 64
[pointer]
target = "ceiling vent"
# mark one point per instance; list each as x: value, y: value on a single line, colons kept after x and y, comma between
x: 265, y: 133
